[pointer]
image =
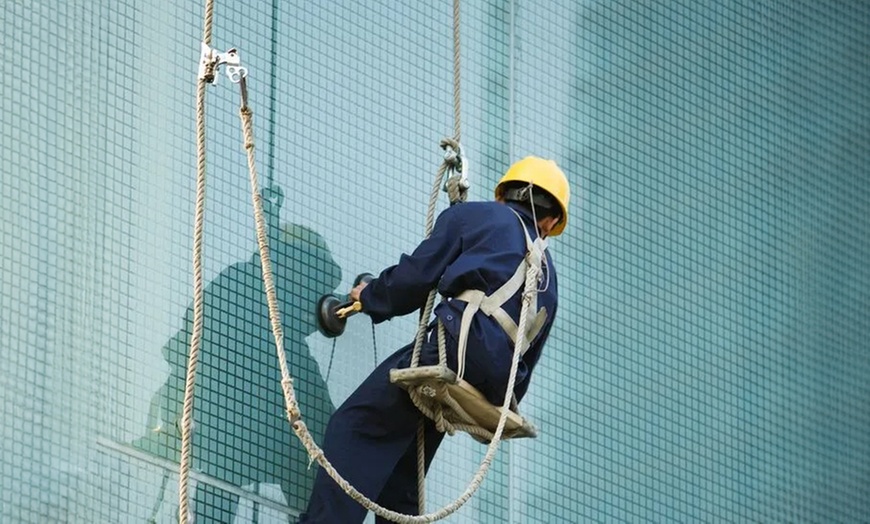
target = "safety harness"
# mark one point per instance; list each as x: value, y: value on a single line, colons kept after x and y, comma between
x: 442, y: 395
x: 491, y: 305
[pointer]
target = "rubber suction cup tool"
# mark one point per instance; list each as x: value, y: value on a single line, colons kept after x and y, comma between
x: 330, y: 306
x: 329, y: 323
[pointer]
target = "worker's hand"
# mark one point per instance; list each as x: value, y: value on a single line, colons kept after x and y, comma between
x: 355, y: 292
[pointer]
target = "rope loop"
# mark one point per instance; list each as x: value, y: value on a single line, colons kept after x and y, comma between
x: 455, y: 165
x: 452, y: 153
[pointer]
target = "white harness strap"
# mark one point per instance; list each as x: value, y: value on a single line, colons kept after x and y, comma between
x: 492, y: 305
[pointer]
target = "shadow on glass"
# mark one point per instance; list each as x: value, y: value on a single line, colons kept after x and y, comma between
x: 241, y: 433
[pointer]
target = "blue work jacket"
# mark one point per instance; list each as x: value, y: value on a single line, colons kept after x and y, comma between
x: 478, y: 246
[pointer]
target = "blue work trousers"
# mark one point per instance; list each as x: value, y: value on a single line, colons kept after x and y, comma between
x: 371, y: 441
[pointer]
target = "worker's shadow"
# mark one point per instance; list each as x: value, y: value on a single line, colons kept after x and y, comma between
x: 241, y: 433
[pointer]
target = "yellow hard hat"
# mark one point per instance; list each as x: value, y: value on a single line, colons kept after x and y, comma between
x: 544, y: 174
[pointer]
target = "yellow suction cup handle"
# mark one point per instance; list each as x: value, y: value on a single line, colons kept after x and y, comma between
x: 347, y: 311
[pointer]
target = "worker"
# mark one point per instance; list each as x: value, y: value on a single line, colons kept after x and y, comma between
x: 371, y: 438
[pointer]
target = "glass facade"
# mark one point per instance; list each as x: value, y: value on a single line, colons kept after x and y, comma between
x: 710, y: 359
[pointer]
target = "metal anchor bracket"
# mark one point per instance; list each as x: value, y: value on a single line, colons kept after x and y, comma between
x: 210, y: 60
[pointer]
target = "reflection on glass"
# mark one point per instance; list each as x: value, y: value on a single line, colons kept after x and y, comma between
x: 241, y: 432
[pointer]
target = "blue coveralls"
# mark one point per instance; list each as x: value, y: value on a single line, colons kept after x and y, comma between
x: 371, y: 438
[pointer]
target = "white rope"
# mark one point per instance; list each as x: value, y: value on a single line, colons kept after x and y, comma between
x: 292, y: 407
x: 293, y: 413
x: 196, y: 334
x: 457, y: 106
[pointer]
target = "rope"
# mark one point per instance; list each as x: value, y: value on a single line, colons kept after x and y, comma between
x: 421, y: 467
x: 374, y: 345
x: 292, y: 406
x: 196, y: 334
x: 456, y: 193
x: 457, y: 185
x: 457, y: 106
x: 293, y: 413
x: 329, y: 367
x: 207, y: 22
x: 246, y: 116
